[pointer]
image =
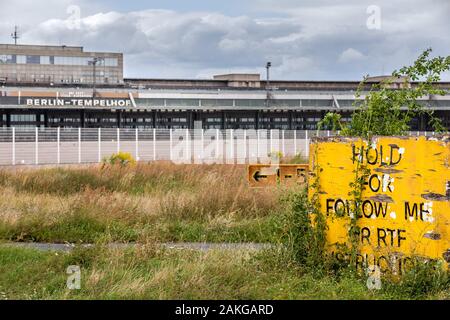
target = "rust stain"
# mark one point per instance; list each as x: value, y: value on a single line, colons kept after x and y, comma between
x: 388, y: 170
x: 432, y: 236
x: 435, y: 197
x: 446, y: 255
x: 382, y: 198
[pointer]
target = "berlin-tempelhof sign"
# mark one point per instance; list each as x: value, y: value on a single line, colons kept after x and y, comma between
x: 405, y: 204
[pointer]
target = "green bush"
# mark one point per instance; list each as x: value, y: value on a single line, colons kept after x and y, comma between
x: 121, y: 158
x: 276, y: 155
x: 425, y: 278
x: 304, y: 239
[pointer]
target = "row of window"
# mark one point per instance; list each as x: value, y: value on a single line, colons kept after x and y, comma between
x: 67, y: 120
x: 25, y: 118
x: 101, y: 77
x: 256, y: 103
x: 131, y: 120
x: 213, y: 120
x: 32, y: 117
x: 300, y: 123
x: 56, y: 60
x: 201, y: 103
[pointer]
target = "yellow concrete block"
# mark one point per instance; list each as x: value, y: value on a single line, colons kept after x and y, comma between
x: 406, y: 198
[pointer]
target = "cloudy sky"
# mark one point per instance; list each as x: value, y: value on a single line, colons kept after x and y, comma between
x: 304, y: 39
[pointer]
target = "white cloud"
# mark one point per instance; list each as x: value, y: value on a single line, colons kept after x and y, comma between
x: 295, y: 68
x: 351, y: 55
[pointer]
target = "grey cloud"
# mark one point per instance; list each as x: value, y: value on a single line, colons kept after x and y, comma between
x: 305, y: 40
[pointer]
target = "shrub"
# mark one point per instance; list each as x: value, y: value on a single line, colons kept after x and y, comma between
x: 276, y: 155
x: 387, y: 112
x: 303, y: 237
x: 425, y: 278
x: 122, y: 158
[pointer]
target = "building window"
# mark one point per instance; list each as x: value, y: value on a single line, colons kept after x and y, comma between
x: 177, y: 119
x: 83, y: 61
x: 33, y: 59
x: 316, y: 103
x: 250, y: 103
x: 212, y: 120
x: 182, y: 102
x: 151, y: 102
x: 346, y: 103
x: 111, y: 62
x: 7, y: 59
x: 21, y: 59
x: 217, y: 102
x: 285, y: 103
x: 45, y: 60
x: 23, y: 118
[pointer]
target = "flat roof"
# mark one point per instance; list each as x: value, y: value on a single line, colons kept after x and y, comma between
x: 40, y: 47
x: 33, y: 47
x: 274, y: 84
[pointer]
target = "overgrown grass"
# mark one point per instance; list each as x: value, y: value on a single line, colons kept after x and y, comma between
x: 161, y: 202
x: 150, y: 272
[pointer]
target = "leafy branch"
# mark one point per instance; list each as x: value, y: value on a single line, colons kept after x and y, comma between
x: 390, y: 105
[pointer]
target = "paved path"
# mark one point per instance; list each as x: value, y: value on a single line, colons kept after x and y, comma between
x: 187, y: 245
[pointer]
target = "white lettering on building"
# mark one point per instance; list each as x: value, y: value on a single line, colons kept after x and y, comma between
x: 106, y: 103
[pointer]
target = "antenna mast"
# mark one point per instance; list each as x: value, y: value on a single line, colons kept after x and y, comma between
x: 15, y: 35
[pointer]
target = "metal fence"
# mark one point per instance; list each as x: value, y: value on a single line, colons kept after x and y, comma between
x: 34, y: 146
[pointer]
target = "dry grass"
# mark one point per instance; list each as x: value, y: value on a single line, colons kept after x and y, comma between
x: 143, y: 178
x: 159, y: 201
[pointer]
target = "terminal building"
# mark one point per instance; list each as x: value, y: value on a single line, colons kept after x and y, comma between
x: 51, y: 86
x: 56, y: 65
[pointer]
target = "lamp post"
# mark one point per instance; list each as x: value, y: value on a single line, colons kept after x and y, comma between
x: 268, y: 65
x: 15, y: 35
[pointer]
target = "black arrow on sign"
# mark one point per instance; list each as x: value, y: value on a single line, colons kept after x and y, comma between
x: 258, y: 176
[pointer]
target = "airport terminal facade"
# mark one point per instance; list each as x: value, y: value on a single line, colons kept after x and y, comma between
x: 66, y: 87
